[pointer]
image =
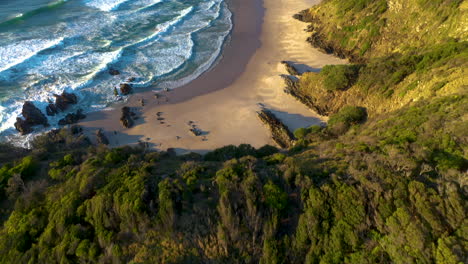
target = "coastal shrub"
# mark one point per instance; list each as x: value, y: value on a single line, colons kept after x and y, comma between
x: 345, y: 117
x: 266, y: 150
x: 301, y: 132
x: 275, y: 198
x: 115, y: 156
x: 314, y: 129
x: 9, y: 152
x: 275, y: 158
x: 25, y: 168
x: 339, y: 77
x: 230, y: 152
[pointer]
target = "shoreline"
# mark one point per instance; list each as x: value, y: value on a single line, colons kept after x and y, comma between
x: 222, y: 102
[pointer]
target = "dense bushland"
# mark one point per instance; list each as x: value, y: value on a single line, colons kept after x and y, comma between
x: 391, y: 190
x: 383, y: 182
x: 375, y: 28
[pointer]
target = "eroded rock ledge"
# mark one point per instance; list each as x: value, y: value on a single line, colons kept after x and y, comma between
x: 279, y: 132
x: 319, y: 40
x: 292, y: 88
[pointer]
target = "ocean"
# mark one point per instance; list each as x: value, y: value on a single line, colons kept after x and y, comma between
x: 47, y: 47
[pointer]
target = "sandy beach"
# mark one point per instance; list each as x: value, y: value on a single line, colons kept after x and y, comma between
x: 223, y: 102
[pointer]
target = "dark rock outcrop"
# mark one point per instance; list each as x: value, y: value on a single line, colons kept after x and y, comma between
x: 63, y: 101
x: 125, y: 88
x: 290, y: 68
x: 303, y: 16
x: 196, y: 132
x: 113, y: 72
x: 101, y: 138
x: 292, y: 88
x: 319, y: 40
x: 51, y: 110
x: 22, y: 126
x: 280, y: 133
x: 126, y: 117
x: 72, y: 118
x: 32, y: 117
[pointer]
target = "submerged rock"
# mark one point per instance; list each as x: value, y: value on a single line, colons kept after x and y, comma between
x: 113, y: 72
x: 126, y: 117
x: 125, y: 88
x: 72, y: 118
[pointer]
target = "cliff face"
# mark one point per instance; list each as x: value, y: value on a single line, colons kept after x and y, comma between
x: 406, y: 51
x: 362, y: 29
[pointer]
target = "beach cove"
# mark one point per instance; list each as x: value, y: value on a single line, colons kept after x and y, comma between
x: 222, y: 103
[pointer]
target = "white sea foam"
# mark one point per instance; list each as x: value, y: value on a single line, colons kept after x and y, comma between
x: 13, y: 54
x: 204, y: 66
x: 135, y: 44
x: 165, y: 26
x: 145, y: 4
x: 105, y: 60
x: 105, y: 5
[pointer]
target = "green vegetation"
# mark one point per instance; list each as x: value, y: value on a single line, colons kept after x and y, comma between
x: 347, y: 116
x: 301, y: 133
x: 376, y: 28
x: 339, y: 77
x: 340, y: 199
x: 383, y: 182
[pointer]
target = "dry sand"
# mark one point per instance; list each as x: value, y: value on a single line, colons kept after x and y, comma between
x: 223, y: 101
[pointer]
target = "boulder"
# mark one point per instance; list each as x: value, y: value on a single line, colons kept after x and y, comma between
x: 125, y: 88
x: 22, y: 126
x: 72, y: 118
x: 101, y: 138
x: 126, y: 117
x: 64, y: 100
x: 195, y: 131
x: 33, y: 115
x: 113, y: 72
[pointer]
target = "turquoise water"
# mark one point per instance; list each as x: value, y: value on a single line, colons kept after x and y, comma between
x: 48, y: 47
